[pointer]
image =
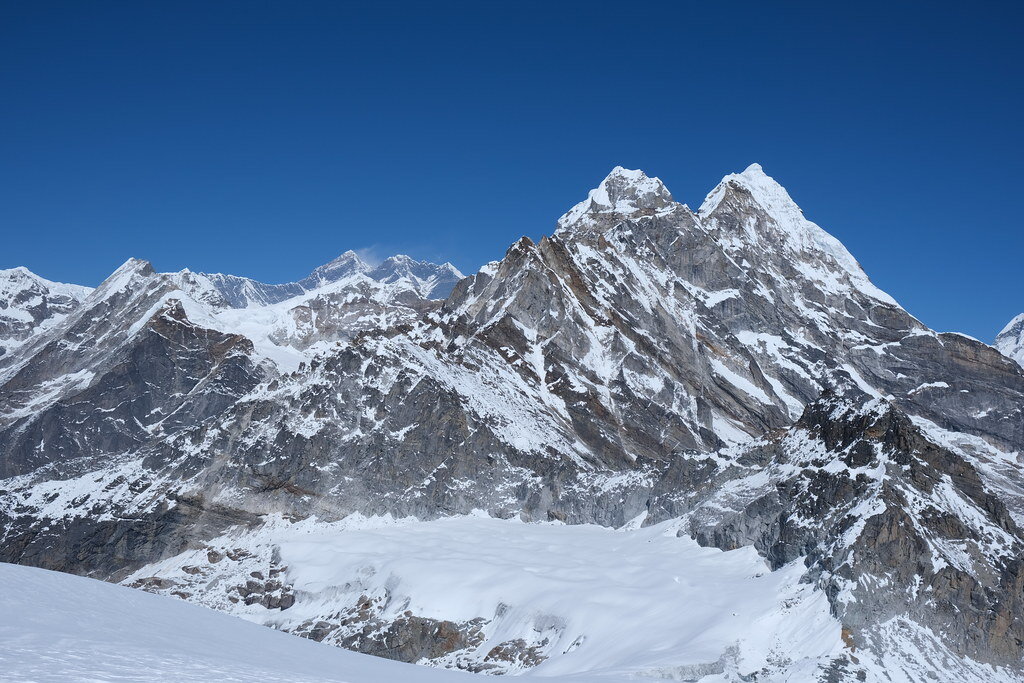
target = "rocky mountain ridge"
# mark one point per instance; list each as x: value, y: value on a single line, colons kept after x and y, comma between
x: 730, y: 370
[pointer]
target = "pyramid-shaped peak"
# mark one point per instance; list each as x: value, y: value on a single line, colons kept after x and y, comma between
x: 622, y: 194
x: 765, y: 190
x: 765, y: 217
x: 773, y: 199
x: 130, y: 268
x: 348, y: 263
x: 347, y: 257
x: 127, y: 276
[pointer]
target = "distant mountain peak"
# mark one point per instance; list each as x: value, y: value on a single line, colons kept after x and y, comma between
x: 430, y: 279
x: 1011, y: 340
x: 1015, y: 324
x: 406, y: 261
x: 346, y: 264
x: 17, y: 271
x: 133, y: 265
x: 127, y: 273
x: 20, y: 277
x: 348, y: 256
x: 30, y: 304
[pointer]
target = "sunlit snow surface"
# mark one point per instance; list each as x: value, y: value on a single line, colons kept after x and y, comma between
x: 613, y: 604
x: 59, y: 627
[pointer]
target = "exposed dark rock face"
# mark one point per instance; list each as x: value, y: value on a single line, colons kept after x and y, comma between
x: 167, y: 375
x: 868, y: 501
x: 733, y: 366
x: 408, y: 638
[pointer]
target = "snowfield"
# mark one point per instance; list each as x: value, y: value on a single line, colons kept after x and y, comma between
x: 612, y: 604
x: 616, y: 605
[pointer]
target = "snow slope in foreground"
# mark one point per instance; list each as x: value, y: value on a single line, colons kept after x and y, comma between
x: 59, y: 627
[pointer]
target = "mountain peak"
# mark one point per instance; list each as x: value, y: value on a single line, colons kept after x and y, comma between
x: 133, y: 266
x: 636, y: 175
x: 1011, y: 340
x: 623, y: 193
x: 754, y: 193
x: 764, y: 189
x: 347, y: 258
x: 1015, y: 324
x: 126, y: 273
x: 20, y: 278
x: 17, y: 271
x: 17, y: 279
x: 346, y: 264
x: 430, y: 279
x: 399, y: 260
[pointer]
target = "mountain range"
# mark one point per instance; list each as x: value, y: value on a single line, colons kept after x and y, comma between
x: 828, y: 488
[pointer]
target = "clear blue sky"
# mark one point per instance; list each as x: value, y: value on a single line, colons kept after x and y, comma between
x: 264, y: 138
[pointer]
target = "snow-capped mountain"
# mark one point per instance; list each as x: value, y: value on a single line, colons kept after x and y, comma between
x: 1011, y: 340
x: 29, y: 304
x: 141, y: 329
x: 427, y: 280
x: 730, y: 374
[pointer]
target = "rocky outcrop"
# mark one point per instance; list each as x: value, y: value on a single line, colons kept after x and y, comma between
x: 867, y: 501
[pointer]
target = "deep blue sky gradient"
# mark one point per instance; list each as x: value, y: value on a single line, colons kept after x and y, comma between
x: 264, y: 138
